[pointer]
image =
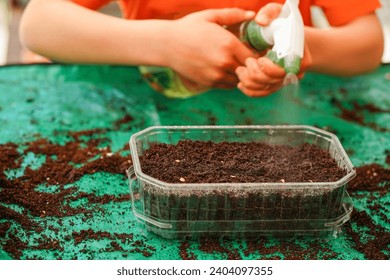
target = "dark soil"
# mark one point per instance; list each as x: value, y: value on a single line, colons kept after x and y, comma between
x: 373, y: 248
x: 371, y: 177
x: 64, y: 165
x: 357, y: 113
x: 59, y: 169
x: 210, y: 162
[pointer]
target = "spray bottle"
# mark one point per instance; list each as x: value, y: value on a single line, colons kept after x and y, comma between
x: 285, y: 35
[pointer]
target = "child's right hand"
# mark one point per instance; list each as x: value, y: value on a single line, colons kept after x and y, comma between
x: 203, y: 51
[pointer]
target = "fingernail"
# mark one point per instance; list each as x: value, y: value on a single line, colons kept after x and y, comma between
x: 240, y: 71
x: 250, y: 14
x: 262, y: 19
x: 261, y: 64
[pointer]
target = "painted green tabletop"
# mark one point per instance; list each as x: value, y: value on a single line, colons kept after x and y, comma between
x: 53, y: 106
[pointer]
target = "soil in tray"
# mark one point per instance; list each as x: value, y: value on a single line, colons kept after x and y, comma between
x: 232, y: 162
x: 209, y: 162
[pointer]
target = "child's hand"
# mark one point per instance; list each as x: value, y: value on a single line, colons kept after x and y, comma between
x: 201, y: 50
x: 261, y: 77
x: 268, y: 13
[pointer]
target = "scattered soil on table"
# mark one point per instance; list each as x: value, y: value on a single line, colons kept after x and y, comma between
x: 63, y: 165
x: 83, y: 235
x: 260, y: 247
x: 184, y: 253
x: 210, y: 162
x: 356, y: 113
x: 375, y: 179
x: 289, y: 250
x: 12, y: 215
x: 59, y: 170
x: 125, y: 120
x: 373, y: 245
x: 372, y: 177
x: 378, y: 239
x: 212, y: 246
x: 139, y: 246
x: 10, y: 158
x: 15, y: 246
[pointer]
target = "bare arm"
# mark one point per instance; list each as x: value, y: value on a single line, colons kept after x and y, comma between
x: 196, y: 46
x: 66, y: 32
x: 353, y: 49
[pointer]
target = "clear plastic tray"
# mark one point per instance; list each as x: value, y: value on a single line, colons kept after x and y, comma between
x: 175, y: 210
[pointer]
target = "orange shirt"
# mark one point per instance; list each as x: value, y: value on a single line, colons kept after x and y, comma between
x: 338, y: 12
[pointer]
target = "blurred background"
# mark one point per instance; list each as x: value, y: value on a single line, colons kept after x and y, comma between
x: 12, y: 52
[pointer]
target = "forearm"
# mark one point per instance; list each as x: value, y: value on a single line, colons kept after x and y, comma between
x: 348, y: 50
x: 66, y: 32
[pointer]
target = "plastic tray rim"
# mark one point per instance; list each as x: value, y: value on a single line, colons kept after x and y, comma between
x: 271, y: 185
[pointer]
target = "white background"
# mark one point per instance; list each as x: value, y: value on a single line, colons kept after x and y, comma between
x: 105, y: 270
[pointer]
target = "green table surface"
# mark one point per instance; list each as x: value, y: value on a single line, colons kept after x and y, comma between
x: 103, y: 106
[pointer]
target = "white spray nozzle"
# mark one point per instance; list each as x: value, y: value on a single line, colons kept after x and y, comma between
x: 286, y: 34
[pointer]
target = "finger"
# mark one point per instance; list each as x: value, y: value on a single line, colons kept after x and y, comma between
x: 259, y: 92
x: 242, y: 53
x: 256, y: 93
x: 268, y: 13
x: 271, y: 69
x: 257, y: 72
x: 211, y: 80
x: 257, y: 86
x: 255, y: 76
x: 246, y: 81
x: 261, y: 83
x: 227, y: 16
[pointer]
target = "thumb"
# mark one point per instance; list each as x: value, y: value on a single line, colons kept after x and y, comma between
x: 268, y: 13
x: 227, y: 16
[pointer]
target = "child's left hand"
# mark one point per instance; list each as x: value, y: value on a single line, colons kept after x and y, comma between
x: 261, y: 77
